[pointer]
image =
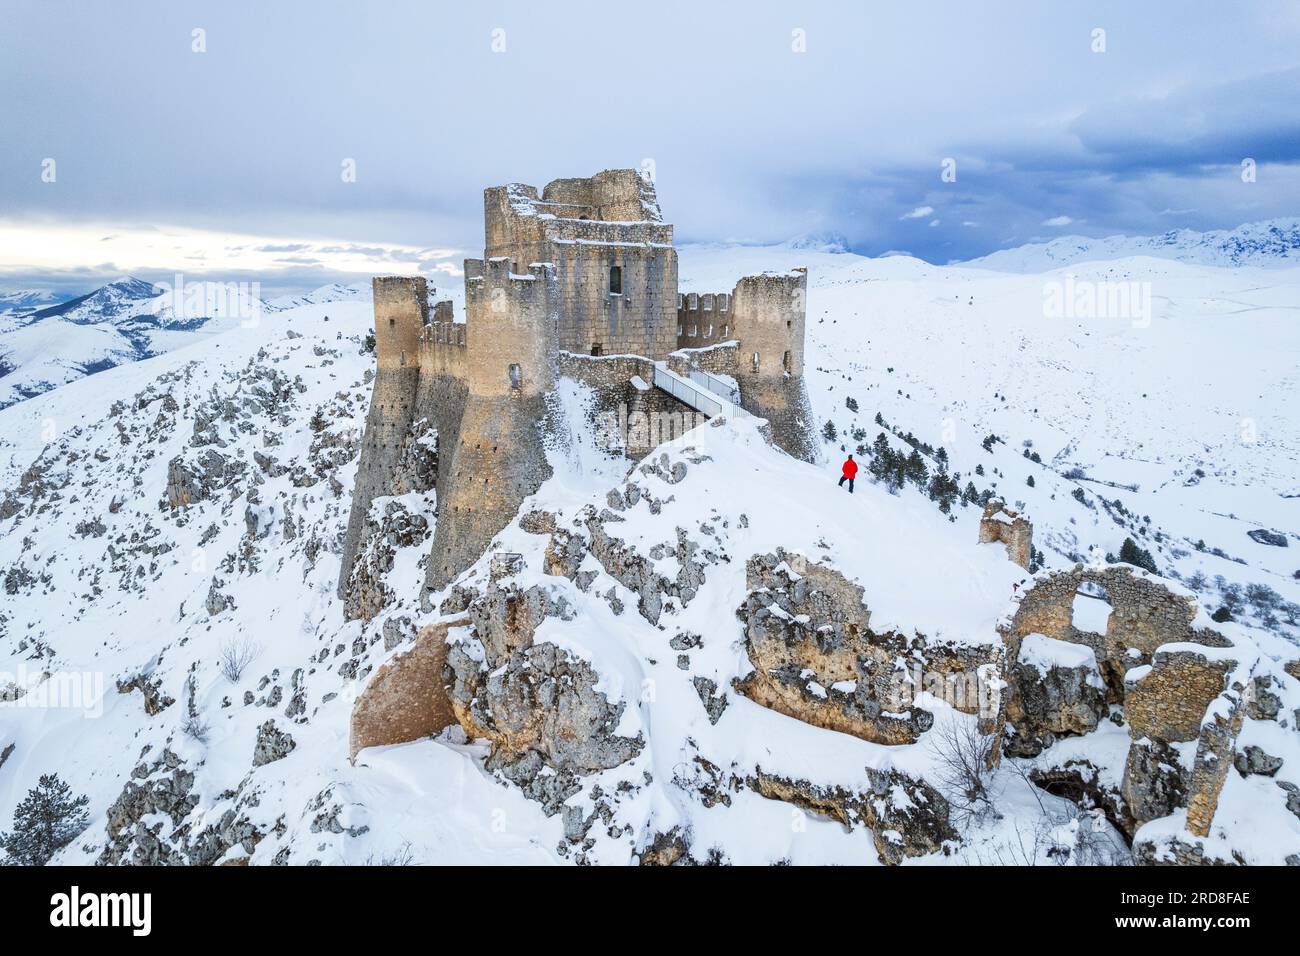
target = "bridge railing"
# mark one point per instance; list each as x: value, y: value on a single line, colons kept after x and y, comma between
x: 681, y: 389
x: 716, y: 385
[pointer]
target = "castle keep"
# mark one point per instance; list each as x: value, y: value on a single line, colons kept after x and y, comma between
x: 579, y: 280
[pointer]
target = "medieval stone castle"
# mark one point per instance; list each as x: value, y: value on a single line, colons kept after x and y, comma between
x: 579, y: 281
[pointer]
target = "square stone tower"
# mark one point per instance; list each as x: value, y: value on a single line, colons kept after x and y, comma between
x: 613, y: 255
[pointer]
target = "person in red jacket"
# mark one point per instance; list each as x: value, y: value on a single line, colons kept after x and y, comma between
x: 850, y: 472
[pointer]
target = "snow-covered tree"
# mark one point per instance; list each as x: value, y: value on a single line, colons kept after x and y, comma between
x: 48, y: 819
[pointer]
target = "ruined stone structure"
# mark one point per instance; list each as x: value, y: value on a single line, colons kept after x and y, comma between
x: 1001, y: 524
x: 577, y: 280
x: 764, y: 318
x: 1176, y: 679
x: 816, y: 658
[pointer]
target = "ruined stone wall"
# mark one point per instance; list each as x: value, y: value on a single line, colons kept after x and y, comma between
x: 703, y: 319
x: 401, y: 309
x: 1002, y: 525
x: 768, y: 319
x: 1177, y: 683
x: 491, y: 457
x: 629, y: 419
x: 817, y: 659
x: 716, y: 359
x: 1145, y: 614
x: 1185, y: 695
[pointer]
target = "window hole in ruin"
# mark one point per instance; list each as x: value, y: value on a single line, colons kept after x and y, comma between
x: 1091, y: 609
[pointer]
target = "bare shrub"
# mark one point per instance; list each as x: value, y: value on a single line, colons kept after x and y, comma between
x: 195, y: 727
x: 965, y: 775
x: 235, y: 656
x: 402, y: 856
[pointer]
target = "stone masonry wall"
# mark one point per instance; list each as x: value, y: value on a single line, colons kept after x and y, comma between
x: 629, y: 419
x: 1000, y: 524
x: 703, y: 319
x: 401, y: 306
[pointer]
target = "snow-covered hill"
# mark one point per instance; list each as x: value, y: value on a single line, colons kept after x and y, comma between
x: 20, y: 301
x: 1268, y: 244
x: 230, y: 673
x: 334, y: 292
x: 124, y: 321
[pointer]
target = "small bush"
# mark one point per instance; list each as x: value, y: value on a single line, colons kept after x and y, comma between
x: 235, y: 655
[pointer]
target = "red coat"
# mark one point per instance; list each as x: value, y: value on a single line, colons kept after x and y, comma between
x: 850, y: 468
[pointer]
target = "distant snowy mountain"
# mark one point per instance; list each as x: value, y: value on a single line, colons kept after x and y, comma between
x: 21, y: 301
x: 124, y: 321
x: 334, y: 292
x: 1267, y: 244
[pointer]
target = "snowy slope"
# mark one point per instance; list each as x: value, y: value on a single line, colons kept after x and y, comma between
x: 124, y: 321
x: 27, y: 300
x: 103, y: 578
x: 334, y: 292
x: 1272, y: 243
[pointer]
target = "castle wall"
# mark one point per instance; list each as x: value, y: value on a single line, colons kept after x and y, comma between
x: 629, y: 419
x: 721, y: 359
x: 641, y: 320
x: 586, y: 227
x: 401, y: 307
x: 765, y: 317
x: 703, y: 319
x: 487, y: 464
x: 490, y: 416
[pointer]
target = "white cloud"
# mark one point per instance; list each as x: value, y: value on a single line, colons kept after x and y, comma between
x: 920, y: 212
x: 36, y: 248
x: 1058, y: 221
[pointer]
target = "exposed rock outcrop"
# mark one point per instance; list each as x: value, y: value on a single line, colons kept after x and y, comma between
x: 816, y: 658
x: 406, y: 698
x: 1055, y: 691
x: 907, y: 817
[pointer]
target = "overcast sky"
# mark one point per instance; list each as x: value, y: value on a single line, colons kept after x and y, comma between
x: 230, y: 162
